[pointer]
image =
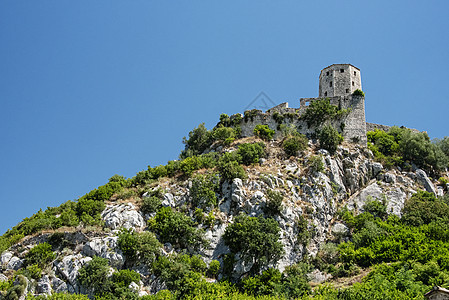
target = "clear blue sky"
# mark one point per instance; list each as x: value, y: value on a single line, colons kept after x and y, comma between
x: 90, y: 89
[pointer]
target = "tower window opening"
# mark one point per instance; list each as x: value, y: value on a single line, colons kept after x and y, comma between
x: 327, y: 73
x: 353, y: 83
x: 330, y: 83
x: 325, y: 94
x: 342, y: 70
x: 355, y: 73
x: 347, y: 91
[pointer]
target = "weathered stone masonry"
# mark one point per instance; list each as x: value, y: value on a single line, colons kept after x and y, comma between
x: 345, y: 80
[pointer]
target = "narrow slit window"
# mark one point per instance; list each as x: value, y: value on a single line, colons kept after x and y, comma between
x: 330, y: 84
x: 325, y: 94
x: 347, y: 91
x: 353, y: 83
x: 342, y: 70
x: 327, y: 73
x: 355, y: 73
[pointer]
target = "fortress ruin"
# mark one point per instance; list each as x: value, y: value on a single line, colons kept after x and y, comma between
x: 337, y: 83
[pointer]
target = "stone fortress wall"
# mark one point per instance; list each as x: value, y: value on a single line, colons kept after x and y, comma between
x: 339, y: 93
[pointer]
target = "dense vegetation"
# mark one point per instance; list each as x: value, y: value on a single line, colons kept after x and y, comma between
x: 403, y: 147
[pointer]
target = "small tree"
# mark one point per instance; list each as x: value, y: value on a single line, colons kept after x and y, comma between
x: 256, y: 239
x: 329, y: 138
x: 294, y: 144
x: 264, y: 132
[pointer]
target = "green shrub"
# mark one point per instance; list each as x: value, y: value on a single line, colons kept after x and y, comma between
x: 295, y: 144
x: 229, y: 167
x: 329, y: 138
x: 256, y: 239
x: 376, y: 208
x: 251, y: 153
x: 178, y: 229
x: 94, y: 275
x: 424, y: 208
x: 263, y: 132
x: 316, y: 163
x: 273, y: 206
x: 203, y: 190
x: 320, y: 111
x: 199, y: 140
x: 150, y: 204
x: 214, y: 268
x: 358, y: 92
x: 139, y: 247
x: 124, y: 278
x: 17, y: 291
x: 40, y: 255
x: 303, y: 234
x: 225, y: 135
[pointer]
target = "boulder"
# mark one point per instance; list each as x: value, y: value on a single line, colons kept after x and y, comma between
x: 6, y: 256
x: 122, y: 215
x: 316, y: 276
x: 421, y: 176
x: 58, y: 285
x: 107, y: 248
x: 3, y: 278
x: 389, y: 178
x: 44, y: 285
x: 68, y: 269
x: 14, y: 263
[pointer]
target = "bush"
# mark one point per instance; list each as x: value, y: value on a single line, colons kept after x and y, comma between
x: 424, y: 208
x: 94, y: 275
x: 150, y: 204
x: 358, y: 92
x: 229, y: 167
x: 251, y: 153
x: 203, y: 190
x: 123, y: 278
x: 329, y: 138
x: 294, y: 144
x: 320, y: 111
x: 214, y: 268
x: 273, y: 206
x: 225, y: 135
x: 177, y: 229
x: 316, y: 163
x: 263, y: 132
x: 40, y: 255
x: 303, y: 236
x: 199, y: 140
x: 139, y: 247
x: 256, y: 239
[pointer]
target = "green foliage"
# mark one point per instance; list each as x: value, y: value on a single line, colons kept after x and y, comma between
x: 295, y: 144
x: 273, y: 206
x: 316, y: 163
x: 303, y: 234
x: 264, y: 132
x: 94, y: 275
x: 424, y: 208
x: 139, y: 247
x: 225, y: 135
x: 256, y: 239
x: 320, y: 111
x: 358, y: 92
x: 59, y: 296
x: 17, y: 291
x: 376, y: 208
x: 229, y: 168
x: 250, y: 114
x: 214, y: 268
x: 199, y: 140
x: 178, y: 229
x: 150, y: 204
x: 329, y: 138
x: 40, y: 255
x: 202, y: 192
x: 123, y: 278
x: 251, y: 153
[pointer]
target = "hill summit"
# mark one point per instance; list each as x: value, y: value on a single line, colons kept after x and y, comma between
x: 289, y: 203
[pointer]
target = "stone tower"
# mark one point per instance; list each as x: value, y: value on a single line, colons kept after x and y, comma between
x: 339, y: 80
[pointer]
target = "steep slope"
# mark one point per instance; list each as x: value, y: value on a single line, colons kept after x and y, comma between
x: 233, y: 210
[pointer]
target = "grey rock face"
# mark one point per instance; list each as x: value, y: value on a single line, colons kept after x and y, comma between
x: 68, y: 269
x: 122, y: 215
x: 44, y: 285
x: 317, y: 276
x: 339, y: 229
x: 3, y: 278
x: 6, y: 256
x: 425, y: 181
x: 14, y: 263
x: 106, y: 248
x: 371, y: 192
x: 168, y: 200
x: 389, y: 178
x: 58, y: 285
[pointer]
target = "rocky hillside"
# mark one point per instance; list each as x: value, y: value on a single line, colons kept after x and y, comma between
x: 237, y: 218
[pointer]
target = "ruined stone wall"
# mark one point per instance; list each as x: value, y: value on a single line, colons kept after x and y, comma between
x: 353, y: 129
